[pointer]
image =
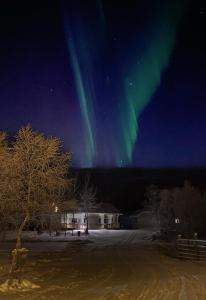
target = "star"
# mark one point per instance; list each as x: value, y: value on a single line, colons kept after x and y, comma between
x: 108, y: 79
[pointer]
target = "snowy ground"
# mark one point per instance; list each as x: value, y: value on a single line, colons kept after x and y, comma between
x: 107, y: 265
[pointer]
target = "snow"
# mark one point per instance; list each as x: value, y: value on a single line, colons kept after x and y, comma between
x: 46, y: 237
x: 109, y: 265
x: 24, y: 286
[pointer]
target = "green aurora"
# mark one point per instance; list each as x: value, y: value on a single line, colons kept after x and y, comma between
x: 144, y: 77
x: 135, y: 85
x: 84, y: 106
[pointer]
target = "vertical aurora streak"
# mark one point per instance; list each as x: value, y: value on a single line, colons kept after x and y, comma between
x: 109, y: 127
x: 84, y: 105
x: 144, y: 76
x: 83, y: 41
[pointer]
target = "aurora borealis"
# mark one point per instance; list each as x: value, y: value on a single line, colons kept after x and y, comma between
x: 138, y: 80
x: 122, y: 83
x: 82, y: 51
x: 144, y: 77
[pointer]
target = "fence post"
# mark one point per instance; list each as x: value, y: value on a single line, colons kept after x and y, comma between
x: 196, y: 246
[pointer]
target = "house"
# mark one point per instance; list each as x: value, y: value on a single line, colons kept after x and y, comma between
x: 104, y: 216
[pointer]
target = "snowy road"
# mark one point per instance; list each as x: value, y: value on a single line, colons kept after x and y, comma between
x: 113, y: 265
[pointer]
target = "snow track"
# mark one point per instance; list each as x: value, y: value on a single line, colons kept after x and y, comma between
x: 115, y: 265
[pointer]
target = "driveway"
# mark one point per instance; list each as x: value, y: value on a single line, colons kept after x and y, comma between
x: 107, y: 265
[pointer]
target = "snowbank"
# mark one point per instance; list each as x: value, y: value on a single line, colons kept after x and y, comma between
x: 23, y: 286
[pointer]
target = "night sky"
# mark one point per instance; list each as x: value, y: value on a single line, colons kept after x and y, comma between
x: 122, y: 83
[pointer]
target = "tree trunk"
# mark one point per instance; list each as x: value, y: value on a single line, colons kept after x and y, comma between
x: 3, y: 236
x: 73, y: 223
x: 87, y: 225
x: 50, y: 226
x: 16, y: 270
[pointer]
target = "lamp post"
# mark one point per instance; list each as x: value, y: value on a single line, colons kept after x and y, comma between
x: 56, y: 209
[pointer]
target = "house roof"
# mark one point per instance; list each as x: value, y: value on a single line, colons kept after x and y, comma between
x: 102, y: 208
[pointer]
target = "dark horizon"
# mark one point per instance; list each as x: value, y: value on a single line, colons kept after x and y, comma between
x: 125, y: 187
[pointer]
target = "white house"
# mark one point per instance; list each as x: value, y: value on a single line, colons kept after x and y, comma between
x: 104, y: 216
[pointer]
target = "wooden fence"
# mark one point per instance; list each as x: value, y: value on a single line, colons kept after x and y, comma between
x: 191, y: 249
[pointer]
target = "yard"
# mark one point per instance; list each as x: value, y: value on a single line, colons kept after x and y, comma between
x: 108, y: 264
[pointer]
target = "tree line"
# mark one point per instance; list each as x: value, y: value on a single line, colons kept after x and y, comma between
x: 179, y: 210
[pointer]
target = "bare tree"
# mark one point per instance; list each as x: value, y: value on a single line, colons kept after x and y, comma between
x: 71, y: 205
x: 188, y: 205
x: 5, y: 170
x: 152, y: 199
x: 87, y: 200
x: 182, y: 209
x: 38, y: 179
x: 166, y: 211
